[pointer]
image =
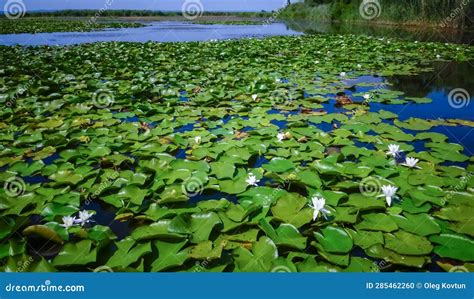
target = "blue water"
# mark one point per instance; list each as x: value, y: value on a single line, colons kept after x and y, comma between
x: 106, y: 217
x: 154, y: 31
x: 437, y: 90
x: 439, y: 108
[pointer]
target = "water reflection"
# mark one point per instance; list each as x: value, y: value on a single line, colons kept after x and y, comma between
x: 407, y: 32
x: 435, y: 85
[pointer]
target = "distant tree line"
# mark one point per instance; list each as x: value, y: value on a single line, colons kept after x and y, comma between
x: 133, y: 13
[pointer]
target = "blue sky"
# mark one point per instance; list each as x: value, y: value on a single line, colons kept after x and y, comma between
x: 165, y: 5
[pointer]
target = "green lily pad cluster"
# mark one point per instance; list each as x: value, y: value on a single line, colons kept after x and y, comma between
x: 39, y: 25
x: 208, y: 156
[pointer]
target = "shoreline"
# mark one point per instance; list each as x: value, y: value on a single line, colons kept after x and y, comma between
x: 383, y: 23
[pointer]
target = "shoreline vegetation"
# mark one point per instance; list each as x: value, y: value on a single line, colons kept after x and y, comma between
x: 454, y: 15
x: 139, y: 13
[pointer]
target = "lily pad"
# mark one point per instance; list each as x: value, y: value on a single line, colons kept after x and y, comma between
x: 334, y: 239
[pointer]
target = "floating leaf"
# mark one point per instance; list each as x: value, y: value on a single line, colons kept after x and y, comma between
x: 169, y: 255
x: 454, y: 246
x: 334, y: 239
x: 405, y: 243
x: 80, y: 253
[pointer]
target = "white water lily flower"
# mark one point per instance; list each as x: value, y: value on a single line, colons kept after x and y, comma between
x: 388, y: 192
x: 359, y: 65
x: 367, y: 96
x: 281, y: 137
x: 84, y: 217
x: 438, y: 56
x: 411, y: 162
x: 254, y: 97
x: 343, y: 74
x: 317, y: 62
x: 252, y: 180
x: 394, y: 150
x: 318, y: 204
x: 197, y: 139
x: 68, y: 221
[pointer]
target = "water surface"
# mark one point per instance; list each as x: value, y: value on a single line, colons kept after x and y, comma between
x: 419, y: 33
x: 170, y: 31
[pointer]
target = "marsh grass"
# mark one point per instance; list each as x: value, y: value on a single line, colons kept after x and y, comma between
x: 410, y: 12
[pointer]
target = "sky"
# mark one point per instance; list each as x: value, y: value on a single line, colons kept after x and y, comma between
x: 164, y: 5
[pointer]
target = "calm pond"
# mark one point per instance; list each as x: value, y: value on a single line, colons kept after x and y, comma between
x: 169, y: 31
x: 179, y: 31
x: 436, y: 85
